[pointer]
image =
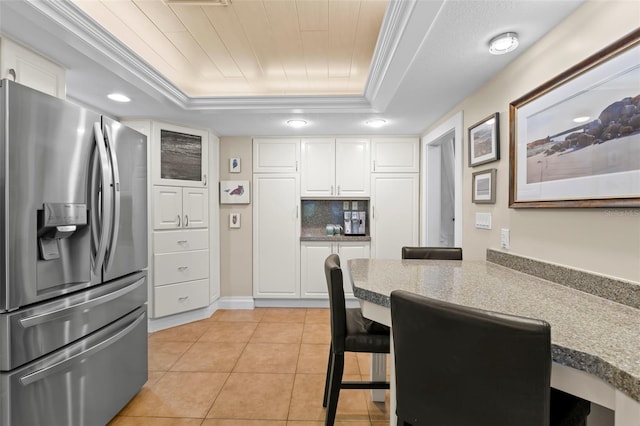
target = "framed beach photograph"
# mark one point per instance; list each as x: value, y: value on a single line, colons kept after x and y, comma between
x: 484, y: 141
x: 234, y: 192
x: 484, y: 187
x: 575, y: 140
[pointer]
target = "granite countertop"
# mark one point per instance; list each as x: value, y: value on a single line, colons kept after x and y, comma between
x: 320, y: 234
x: 588, y: 332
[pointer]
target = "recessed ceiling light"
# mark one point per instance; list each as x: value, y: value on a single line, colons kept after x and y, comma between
x: 118, y: 97
x: 581, y: 119
x: 503, y: 43
x: 296, y: 123
x: 376, y: 122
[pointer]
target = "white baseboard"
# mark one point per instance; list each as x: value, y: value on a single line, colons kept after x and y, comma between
x: 236, y: 303
x: 301, y: 303
x: 157, y: 324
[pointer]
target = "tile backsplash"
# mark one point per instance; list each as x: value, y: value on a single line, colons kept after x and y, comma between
x: 319, y: 213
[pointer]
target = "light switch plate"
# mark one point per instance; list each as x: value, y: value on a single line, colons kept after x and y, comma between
x: 354, y: 205
x: 345, y: 205
x: 483, y: 220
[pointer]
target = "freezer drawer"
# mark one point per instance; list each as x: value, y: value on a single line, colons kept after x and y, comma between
x: 30, y: 333
x: 84, y: 384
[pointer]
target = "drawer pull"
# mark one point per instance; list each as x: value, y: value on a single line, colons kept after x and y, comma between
x: 182, y: 268
x: 183, y: 298
x: 182, y: 242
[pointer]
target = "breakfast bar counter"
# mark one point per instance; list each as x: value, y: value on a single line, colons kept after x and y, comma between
x: 595, y: 341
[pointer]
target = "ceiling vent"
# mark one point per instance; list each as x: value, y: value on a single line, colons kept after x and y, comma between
x: 198, y: 2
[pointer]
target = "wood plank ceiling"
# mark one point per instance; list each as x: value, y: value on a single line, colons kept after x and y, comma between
x: 249, y: 47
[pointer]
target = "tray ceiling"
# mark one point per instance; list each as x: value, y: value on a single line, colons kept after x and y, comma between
x: 249, y: 47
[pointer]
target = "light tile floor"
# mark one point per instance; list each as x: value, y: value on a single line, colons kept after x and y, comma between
x: 261, y: 367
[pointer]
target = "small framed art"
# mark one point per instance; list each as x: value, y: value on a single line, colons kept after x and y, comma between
x: 484, y: 187
x: 234, y: 220
x: 484, y: 141
x: 234, y: 192
x: 234, y: 165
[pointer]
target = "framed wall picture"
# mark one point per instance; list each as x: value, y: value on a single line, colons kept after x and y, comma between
x: 484, y: 141
x: 234, y: 165
x: 484, y: 187
x: 234, y: 220
x: 234, y: 192
x: 575, y: 140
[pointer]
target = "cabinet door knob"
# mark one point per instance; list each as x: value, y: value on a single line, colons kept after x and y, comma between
x: 178, y: 221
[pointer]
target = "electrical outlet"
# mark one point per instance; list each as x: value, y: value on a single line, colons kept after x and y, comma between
x: 504, y: 238
x: 354, y: 205
x: 345, y: 205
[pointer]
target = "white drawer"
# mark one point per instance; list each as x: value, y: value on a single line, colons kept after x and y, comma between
x: 172, y: 268
x: 175, y: 298
x: 180, y: 240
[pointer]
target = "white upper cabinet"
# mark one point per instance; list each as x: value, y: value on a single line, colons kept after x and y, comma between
x: 179, y: 155
x: 318, y: 171
x: 180, y: 208
x: 30, y: 69
x: 276, y: 155
x: 335, y: 167
x: 395, y: 155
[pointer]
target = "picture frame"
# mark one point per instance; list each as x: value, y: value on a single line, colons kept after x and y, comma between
x: 574, y: 141
x: 484, y: 141
x: 234, y: 165
x: 484, y: 187
x: 234, y: 220
x: 234, y: 192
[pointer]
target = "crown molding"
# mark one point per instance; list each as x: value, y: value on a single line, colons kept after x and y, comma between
x: 393, y: 26
x: 96, y: 40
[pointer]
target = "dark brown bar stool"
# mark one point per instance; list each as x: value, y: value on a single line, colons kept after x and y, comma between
x: 441, y: 253
x: 460, y: 366
x: 350, y: 332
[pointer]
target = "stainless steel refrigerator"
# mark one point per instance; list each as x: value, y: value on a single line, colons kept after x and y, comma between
x: 73, y: 282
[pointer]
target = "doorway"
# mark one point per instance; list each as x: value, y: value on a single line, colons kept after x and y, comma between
x: 441, y: 194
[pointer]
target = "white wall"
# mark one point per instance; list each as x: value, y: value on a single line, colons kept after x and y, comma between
x: 605, y: 241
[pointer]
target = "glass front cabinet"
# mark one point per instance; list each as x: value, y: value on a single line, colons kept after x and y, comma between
x: 179, y: 156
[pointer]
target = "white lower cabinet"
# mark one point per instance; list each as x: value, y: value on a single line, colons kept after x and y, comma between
x: 180, y: 270
x: 313, y: 254
x: 394, y: 213
x: 181, y: 297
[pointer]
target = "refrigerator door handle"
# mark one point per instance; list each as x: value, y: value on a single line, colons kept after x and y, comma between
x: 69, y: 362
x: 69, y: 310
x: 105, y: 225
x: 116, y: 198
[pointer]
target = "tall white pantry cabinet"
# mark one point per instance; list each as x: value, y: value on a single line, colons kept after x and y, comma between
x: 395, y: 192
x: 184, y: 217
x: 276, y: 218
